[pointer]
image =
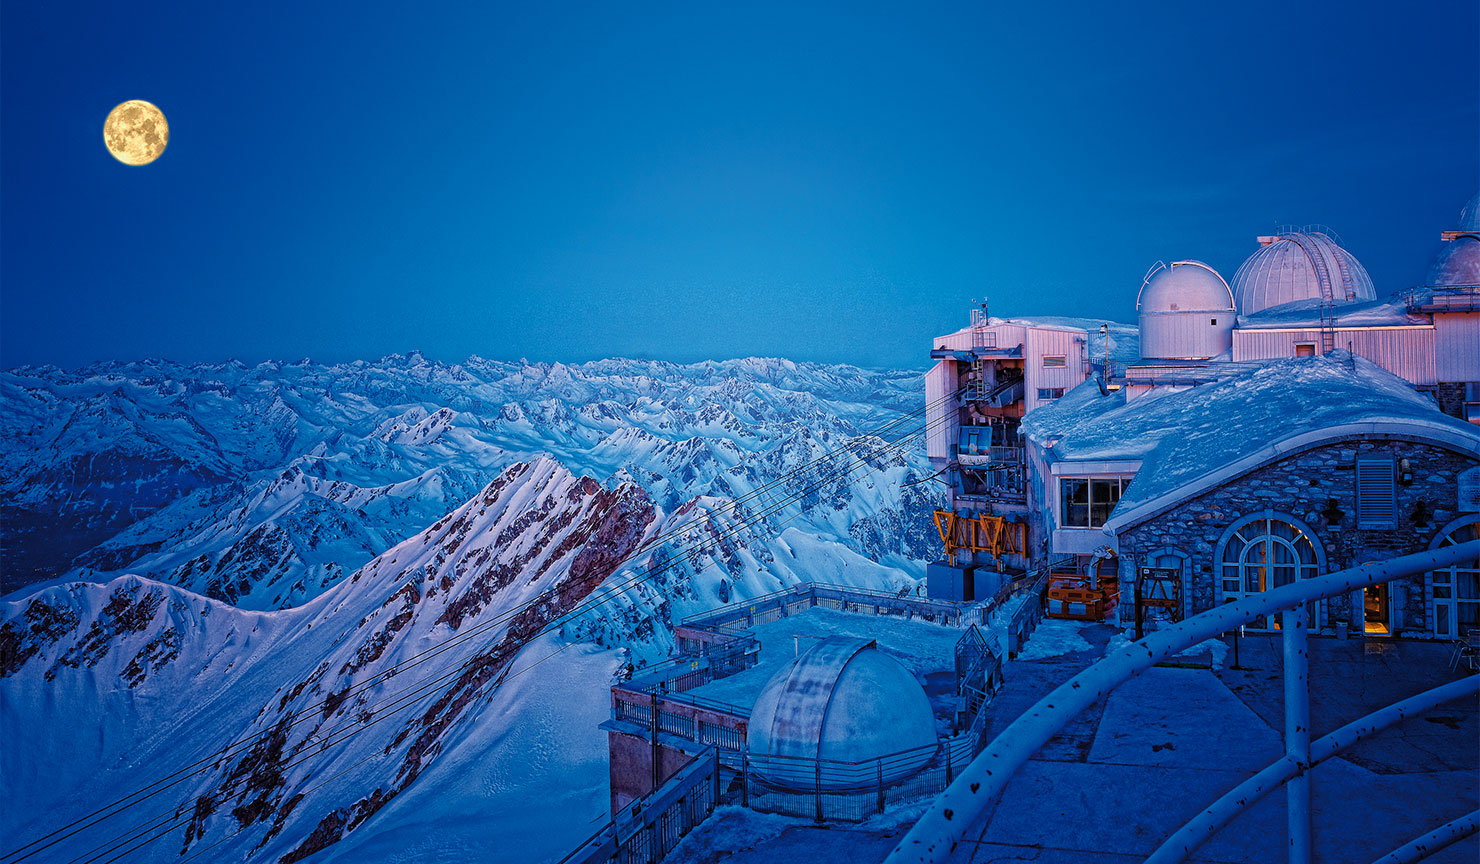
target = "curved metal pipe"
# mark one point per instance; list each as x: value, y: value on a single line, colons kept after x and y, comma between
x: 1204, y: 825
x: 938, y: 831
x: 1422, y: 847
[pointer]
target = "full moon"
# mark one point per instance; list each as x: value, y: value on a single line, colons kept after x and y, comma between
x: 135, y: 132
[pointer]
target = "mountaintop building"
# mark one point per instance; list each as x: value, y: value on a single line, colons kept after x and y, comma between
x: 1286, y: 424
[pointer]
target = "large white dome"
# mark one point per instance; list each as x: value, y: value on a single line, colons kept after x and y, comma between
x: 1299, y: 265
x: 845, y: 700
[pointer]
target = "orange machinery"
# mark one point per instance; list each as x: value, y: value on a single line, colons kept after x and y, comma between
x: 991, y: 534
x: 1070, y: 595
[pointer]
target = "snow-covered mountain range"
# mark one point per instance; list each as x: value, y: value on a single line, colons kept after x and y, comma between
x: 262, y: 486
x: 373, y: 608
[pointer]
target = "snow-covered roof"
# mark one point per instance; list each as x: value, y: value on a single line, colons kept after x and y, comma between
x: 1390, y: 312
x: 1188, y: 441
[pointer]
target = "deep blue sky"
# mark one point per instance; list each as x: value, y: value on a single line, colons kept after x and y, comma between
x: 693, y: 180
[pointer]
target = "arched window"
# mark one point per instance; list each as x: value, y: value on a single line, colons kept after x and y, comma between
x: 1261, y: 552
x: 1455, y: 591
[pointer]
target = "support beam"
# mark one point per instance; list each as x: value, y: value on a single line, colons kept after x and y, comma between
x: 1297, y: 731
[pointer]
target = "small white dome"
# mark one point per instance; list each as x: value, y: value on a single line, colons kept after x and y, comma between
x: 1458, y: 263
x: 1299, y: 265
x: 1186, y: 312
x: 1185, y: 286
x: 845, y: 700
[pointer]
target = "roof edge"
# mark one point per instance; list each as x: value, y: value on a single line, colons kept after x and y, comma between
x: 1422, y: 430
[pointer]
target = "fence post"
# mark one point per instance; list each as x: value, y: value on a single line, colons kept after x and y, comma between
x: 818, y: 763
x: 744, y: 776
x: 949, y: 766
x: 1297, y: 731
x: 714, y: 797
x: 879, y: 765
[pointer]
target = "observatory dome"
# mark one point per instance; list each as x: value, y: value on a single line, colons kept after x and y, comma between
x: 843, y: 699
x: 1458, y: 263
x: 1299, y: 265
x: 1186, y: 312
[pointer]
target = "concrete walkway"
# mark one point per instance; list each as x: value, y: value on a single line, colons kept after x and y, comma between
x: 1138, y: 764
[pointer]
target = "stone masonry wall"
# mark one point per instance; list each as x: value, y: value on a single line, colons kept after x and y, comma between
x: 1301, y: 486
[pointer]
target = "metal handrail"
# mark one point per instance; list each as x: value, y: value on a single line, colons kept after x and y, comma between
x: 938, y: 831
x: 1218, y: 814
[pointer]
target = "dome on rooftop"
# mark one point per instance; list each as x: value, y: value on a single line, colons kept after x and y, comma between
x: 1469, y: 217
x: 1186, y: 312
x: 1299, y: 265
x: 843, y: 699
x: 1458, y: 263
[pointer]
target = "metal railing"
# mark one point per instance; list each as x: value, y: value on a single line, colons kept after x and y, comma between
x: 832, y: 789
x: 938, y: 831
x: 739, y: 617
x: 646, y: 830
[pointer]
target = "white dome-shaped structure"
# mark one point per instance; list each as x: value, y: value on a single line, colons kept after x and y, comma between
x: 845, y: 700
x: 1186, y: 312
x: 1458, y: 263
x: 1299, y: 265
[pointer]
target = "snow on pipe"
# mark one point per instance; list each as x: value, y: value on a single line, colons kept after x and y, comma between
x: 937, y: 832
x: 1218, y: 814
x: 1422, y: 847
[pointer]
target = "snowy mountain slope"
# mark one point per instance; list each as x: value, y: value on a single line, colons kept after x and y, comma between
x: 162, y: 678
x: 159, y: 678
x: 262, y: 486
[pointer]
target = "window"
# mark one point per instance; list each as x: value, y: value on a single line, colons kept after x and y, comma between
x: 1056, y: 361
x: 1087, y: 502
x: 1376, y: 493
x: 1305, y: 349
x: 1050, y: 392
x: 1263, y: 552
x: 1212, y: 322
x: 1456, y: 590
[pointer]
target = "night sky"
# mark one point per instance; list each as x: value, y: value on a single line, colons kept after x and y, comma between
x: 696, y: 180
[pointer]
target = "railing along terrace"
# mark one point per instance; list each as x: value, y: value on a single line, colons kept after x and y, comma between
x: 739, y: 617
x: 832, y: 789
x: 647, y: 829
x: 934, y: 837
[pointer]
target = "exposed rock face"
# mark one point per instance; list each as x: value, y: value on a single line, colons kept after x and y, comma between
x: 503, y: 567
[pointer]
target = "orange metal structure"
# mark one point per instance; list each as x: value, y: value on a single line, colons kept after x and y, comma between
x: 1070, y: 596
x: 991, y: 534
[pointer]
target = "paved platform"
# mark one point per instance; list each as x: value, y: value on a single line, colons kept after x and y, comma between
x: 1141, y: 762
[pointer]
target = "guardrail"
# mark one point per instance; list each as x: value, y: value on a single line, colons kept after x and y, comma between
x: 647, y: 829
x: 938, y: 831
x: 832, y: 789
x: 739, y: 617
x: 1026, y: 617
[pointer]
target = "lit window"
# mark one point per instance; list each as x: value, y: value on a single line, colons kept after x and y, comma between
x: 1263, y: 553
x: 1056, y: 361
x: 1305, y: 349
x: 1088, y: 502
x: 1376, y: 493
